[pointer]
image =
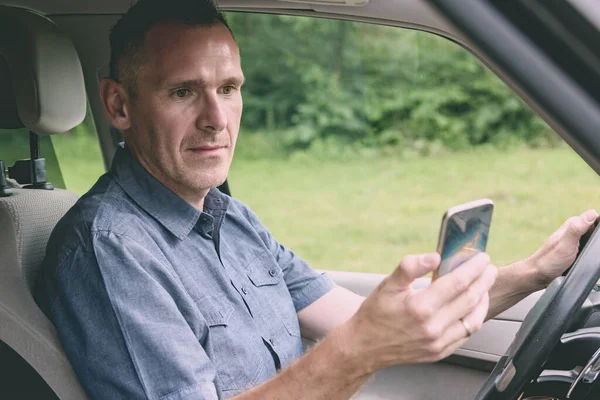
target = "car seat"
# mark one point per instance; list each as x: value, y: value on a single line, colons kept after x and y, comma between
x: 41, y: 89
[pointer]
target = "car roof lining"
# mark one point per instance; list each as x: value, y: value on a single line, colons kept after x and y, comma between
x: 416, y: 14
x: 377, y: 9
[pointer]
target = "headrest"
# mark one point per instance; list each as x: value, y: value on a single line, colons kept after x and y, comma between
x: 41, y: 81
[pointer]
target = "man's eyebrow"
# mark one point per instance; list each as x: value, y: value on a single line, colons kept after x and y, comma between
x: 232, y: 80
x: 236, y: 80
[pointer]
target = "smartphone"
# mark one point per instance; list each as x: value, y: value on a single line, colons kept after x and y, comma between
x: 464, y: 233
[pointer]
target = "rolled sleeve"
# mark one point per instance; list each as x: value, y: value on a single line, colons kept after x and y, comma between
x: 312, y: 291
x: 122, y: 329
x: 304, y: 283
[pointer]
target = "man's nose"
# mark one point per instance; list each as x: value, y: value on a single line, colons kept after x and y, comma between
x: 212, y: 115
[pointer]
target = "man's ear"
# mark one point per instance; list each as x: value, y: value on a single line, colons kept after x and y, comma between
x: 115, y: 102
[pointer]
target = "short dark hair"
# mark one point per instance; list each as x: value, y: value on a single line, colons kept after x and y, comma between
x: 128, y: 35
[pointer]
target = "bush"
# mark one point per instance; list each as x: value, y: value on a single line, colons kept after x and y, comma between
x: 372, y: 87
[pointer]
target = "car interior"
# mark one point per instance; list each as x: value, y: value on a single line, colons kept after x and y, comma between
x: 53, y: 54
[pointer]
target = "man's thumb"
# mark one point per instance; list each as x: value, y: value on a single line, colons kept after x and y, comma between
x: 414, y: 266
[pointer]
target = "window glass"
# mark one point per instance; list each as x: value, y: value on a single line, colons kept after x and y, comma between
x: 14, y: 145
x: 73, y: 159
x: 355, y: 139
x: 79, y: 156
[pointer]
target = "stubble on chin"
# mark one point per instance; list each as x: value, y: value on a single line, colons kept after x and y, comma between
x: 202, y: 176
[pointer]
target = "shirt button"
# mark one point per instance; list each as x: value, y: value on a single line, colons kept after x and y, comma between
x: 244, y: 290
x: 272, y: 341
x: 272, y: 272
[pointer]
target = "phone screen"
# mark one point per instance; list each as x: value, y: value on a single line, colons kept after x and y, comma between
x: 464, y: 234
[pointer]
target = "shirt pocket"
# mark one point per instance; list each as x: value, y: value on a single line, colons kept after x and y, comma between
x: 266, y: 274
x: 237, y: 360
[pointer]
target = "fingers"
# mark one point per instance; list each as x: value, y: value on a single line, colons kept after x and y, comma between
x: 474, y: 320
x: 577, y: 226
x: 450, y: 286
x: 409, y: 326
x: 573, y: 228
x: 412, y: 267
x: 470, y: 299
x: 450, y: 349
x: 590, y: 216
x: 456, y: 334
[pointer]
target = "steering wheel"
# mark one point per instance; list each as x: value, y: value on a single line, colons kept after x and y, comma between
x: 543, y: 327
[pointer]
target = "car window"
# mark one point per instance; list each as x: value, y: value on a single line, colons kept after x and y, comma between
x: 73, y: 159
x: 354, y: 144
x: 14, y: 145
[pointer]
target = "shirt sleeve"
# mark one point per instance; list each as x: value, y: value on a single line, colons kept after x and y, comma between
x: 123, y: 331
x: 304, y: 283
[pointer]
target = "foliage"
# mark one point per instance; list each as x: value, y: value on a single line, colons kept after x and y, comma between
x: 364, y: 85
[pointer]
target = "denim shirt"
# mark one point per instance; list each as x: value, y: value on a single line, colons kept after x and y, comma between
x: 154, y: 299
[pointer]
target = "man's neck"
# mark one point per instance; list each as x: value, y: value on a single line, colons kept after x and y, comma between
x: 194, y: 197
x: 195, y: 201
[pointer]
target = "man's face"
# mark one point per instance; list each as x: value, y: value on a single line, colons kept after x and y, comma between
x: 186, y: 114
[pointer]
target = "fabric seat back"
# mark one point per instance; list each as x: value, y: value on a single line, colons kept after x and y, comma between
x: 26, y: 220
x: 41, y: 89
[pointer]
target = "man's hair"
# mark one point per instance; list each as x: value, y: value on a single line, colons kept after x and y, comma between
x: 128, y: 35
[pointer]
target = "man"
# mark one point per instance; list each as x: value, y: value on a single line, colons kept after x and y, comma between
x: 163, y: 288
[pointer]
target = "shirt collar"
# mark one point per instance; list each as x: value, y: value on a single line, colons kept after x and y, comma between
x: 172, y: 211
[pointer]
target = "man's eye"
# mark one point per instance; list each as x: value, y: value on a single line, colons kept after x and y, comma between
x: 181, y: 93
x: 228, y: 90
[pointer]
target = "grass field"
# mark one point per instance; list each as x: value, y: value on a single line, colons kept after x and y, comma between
x: 364, y: 215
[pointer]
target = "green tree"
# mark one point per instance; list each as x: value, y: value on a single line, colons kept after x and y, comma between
x: 310, y: 80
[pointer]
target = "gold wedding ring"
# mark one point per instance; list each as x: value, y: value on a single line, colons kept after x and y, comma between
x: 467, y: 327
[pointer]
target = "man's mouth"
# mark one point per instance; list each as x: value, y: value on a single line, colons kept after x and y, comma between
x: 207, y: 149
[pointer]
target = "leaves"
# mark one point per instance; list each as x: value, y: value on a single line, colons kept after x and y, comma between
x: 315, y: 79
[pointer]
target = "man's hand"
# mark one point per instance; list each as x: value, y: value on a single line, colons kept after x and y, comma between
x: 397, y: 324
x: 560, y: 250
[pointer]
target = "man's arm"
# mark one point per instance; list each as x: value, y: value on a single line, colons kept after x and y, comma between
x: 396, y: 324
x: 327, y: 313
x: 517, y: 281
x: 514, y: 282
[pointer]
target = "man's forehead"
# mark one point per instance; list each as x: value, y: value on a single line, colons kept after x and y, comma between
x: 168, y: 39
x: 180, y: 52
